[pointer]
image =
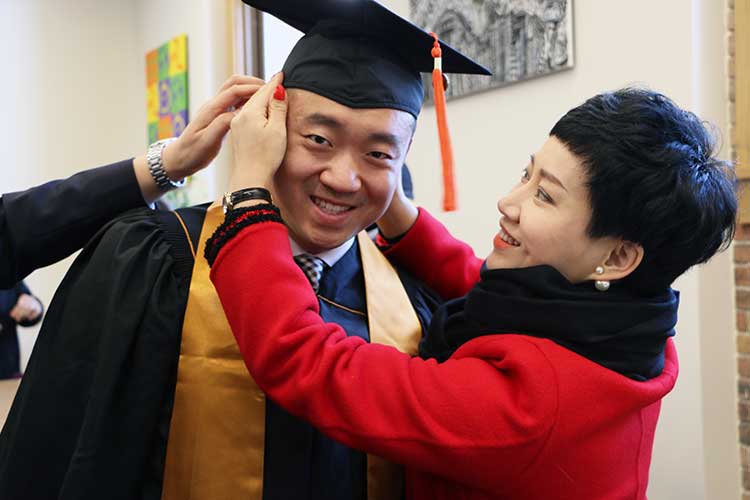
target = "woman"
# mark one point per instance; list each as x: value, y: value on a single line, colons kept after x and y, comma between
x: 542, y: 375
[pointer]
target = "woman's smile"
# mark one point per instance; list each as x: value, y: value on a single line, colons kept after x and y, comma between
x: 504, y: 240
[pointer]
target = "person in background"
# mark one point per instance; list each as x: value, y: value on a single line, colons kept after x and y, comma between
x: 47, y: 223
x: 542, y: 375
x: 18, y: 307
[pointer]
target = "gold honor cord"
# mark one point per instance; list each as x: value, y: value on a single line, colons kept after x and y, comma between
x: 217, y: 432
x: 392, y: 321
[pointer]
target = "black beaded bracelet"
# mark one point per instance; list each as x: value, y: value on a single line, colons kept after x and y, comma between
x: 234, y: 222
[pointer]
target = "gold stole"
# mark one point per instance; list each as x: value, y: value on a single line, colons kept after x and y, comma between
x: 217, y: 432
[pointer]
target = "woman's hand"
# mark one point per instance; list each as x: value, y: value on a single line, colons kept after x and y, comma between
x: 259, y: 137
x: 200, y: 142
x: 400, y: 215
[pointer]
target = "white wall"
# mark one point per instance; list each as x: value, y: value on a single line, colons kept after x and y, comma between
x: 74, y: 92
x: 716, y: 297
x: 278, y: 41
x: 674, y: 46
x: 67, y: 97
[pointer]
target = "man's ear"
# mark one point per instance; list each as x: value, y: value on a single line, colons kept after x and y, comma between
x: 622, y: 260
x: 411, y: 138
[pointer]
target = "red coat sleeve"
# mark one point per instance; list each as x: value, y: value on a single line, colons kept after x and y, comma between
x: 436, y: 258
x: 458, y: 419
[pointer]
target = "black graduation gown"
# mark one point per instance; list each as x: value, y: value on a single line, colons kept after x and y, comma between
x: 47, y: 223
x: 10, y: 359
x: 91, y: 417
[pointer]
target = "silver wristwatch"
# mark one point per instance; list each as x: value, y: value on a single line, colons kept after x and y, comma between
x: 156, y: 166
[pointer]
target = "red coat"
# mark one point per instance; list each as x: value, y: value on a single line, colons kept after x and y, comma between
x: 507, y: 417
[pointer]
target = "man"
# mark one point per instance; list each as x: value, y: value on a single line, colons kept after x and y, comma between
x: 47, y: 223
x: 152, y: 399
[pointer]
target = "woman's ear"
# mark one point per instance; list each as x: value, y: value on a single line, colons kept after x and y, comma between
x: 623, y: 259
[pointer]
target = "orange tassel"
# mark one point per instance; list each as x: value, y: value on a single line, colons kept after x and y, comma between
x: 446, y: 150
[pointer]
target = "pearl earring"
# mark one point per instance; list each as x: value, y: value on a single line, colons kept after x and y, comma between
x: 601, y: 285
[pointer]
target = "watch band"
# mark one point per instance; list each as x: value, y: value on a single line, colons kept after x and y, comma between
x: 255, y: 193
x: 156, y: 165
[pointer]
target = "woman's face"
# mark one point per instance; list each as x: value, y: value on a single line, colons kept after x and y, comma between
x: 543, y: 220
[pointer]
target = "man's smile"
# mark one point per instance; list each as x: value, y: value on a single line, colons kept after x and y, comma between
x: 330, y: 207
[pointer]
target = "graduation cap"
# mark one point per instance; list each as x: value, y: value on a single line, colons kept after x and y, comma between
x: 360, y: 54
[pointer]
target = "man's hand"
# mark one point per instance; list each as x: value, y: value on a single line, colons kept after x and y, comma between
x: 27, y: 308
x: 200, y: 142
x: 259, y: 137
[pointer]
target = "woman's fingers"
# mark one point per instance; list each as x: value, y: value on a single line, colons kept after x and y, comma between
x: 201, y: 140
x: 218, y: 128
x: 259, y: 137
x: 223, y: 102
x: 277, y: 107
x: 241, y: 80
x: 258, y: 103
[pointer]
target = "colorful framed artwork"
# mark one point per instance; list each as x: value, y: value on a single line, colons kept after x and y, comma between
x: 167, y: 100
x: 167, y: 89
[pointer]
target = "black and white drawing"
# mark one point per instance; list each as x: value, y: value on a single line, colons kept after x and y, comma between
x: 516, y: 39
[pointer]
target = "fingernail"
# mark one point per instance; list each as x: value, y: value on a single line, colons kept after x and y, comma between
x: 280, y: 93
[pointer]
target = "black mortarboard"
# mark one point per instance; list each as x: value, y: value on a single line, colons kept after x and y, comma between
x: 360, y: 54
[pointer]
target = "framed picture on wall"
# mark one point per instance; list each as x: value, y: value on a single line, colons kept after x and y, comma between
x: 167, y: 102
x: 167, y: 89
x: 516, y: 39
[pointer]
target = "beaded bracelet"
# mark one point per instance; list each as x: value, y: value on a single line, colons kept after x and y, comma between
x: 235, y: 221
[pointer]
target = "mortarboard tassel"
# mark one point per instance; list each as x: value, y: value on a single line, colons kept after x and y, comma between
x: 446, y: 150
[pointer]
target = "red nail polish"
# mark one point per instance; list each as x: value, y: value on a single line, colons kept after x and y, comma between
x: 280, y: 93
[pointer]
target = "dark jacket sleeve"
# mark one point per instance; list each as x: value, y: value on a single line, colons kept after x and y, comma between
x: 85, y: 421
x: 47, y: 223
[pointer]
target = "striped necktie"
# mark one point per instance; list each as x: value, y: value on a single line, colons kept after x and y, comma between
x: 312, y: 267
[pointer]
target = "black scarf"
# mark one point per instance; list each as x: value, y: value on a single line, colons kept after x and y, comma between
x: 615, y: 329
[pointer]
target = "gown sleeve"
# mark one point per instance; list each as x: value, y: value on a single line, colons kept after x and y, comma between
x: 86, y: 417
x: 458, y: 419
x: 451, y: 269
x: 47, y: 223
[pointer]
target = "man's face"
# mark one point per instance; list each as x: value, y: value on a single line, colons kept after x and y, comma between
x: 340, y: 169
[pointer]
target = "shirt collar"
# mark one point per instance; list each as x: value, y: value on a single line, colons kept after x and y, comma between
x: 330, y: 257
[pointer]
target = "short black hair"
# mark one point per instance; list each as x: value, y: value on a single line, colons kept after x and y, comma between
x: 653, y: 179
